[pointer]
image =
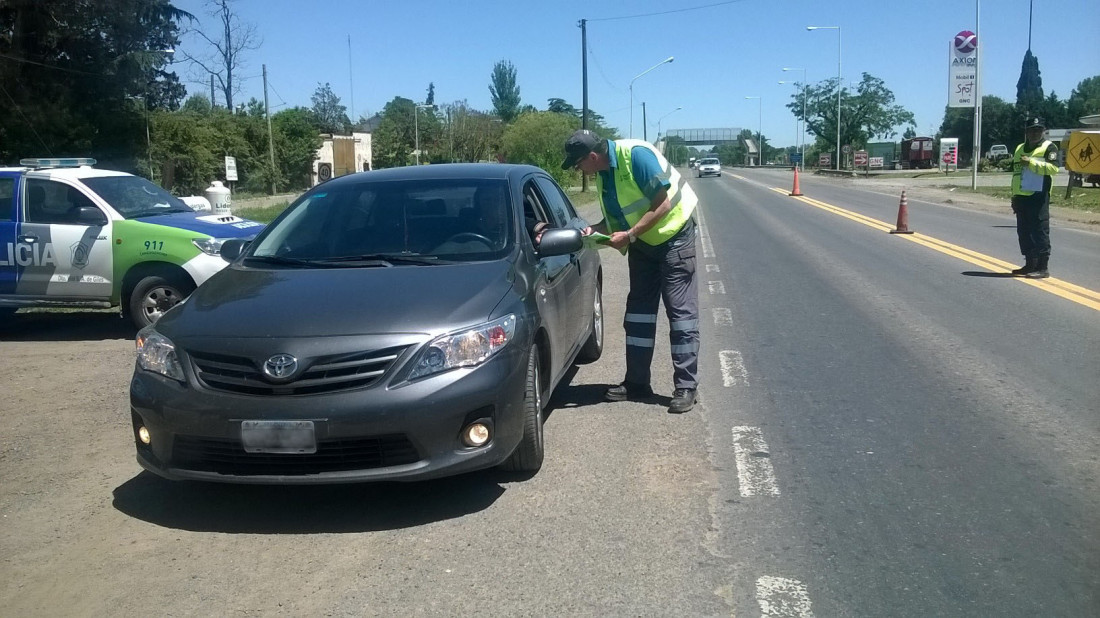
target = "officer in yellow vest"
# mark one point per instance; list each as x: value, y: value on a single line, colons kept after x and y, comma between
x: 647, y: 206
x: 1033, y: 168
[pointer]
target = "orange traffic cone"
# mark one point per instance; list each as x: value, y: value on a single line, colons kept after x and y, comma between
x: 796, y: 192
x: 903, y: 217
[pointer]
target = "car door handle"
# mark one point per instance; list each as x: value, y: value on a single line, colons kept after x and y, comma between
x: 27, y: 238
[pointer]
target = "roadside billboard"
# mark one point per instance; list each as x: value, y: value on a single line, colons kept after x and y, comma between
x: 963, y: 70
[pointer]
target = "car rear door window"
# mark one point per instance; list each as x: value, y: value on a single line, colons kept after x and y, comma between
x: 7, y: 199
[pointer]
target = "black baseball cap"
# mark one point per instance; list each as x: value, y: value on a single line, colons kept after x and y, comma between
x: 1033, y: 123
x: 579, y: 144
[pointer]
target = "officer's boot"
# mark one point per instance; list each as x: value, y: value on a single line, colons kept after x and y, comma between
x: 1040, y: 271
x: 1028, y: 267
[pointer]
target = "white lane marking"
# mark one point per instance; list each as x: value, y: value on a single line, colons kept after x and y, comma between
x: 704, y: 235
x: 755, y: 474
x: 733, y: 365
x: 716, y: 287
x: 708, y: 249
x: 712, y: 268
x: 782, y: 598
x: 723, y: 317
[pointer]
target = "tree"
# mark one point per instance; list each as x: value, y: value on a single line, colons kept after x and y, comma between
x: 1001, y: 124
x: 392, y: 142
x: 595, y: 121
x: 867, y: 113
x: 536, y: 139
x: 504, y: 91
x: 80, y: 77
x: 296, y: 143
x: 469, y: 135
x: 430, y: 99
x: 1084, y: 100
x: 911, y: 132
x: 233, y: 40
x: 1029, y: 88
x: 329, y: 115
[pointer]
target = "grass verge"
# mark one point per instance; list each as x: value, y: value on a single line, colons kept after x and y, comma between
x: 1086, y: 199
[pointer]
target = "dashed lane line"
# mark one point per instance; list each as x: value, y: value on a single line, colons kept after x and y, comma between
x: 755, y: 475
x: 722, y: 316
x: 716, y: 287
x: 779, y: 597
x: 1064, y: 289
x: 733, y: 366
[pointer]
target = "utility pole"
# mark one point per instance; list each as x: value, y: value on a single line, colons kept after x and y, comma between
x: 584, y: 89
x: 270, y: 140
x: 645, y: 129
x: 213, y: 104
x: 351, y: 83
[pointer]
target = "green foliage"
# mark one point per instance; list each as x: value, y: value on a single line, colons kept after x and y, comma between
x: 329, y: 115
x: 1001, y: 124
x: 296, y: 143
x: 505, y: 91
x: 80, y: 75
x: 538, y: 138
x: 1084, y: 100
x: 469, y: 135
x: 867, y: 113
x: 1029, y: 88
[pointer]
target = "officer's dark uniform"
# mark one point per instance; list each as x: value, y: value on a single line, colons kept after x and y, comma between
x: 1031, y: 203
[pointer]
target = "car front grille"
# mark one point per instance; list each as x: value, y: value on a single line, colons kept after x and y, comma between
x: 326, y: 374
x: 225, y: 456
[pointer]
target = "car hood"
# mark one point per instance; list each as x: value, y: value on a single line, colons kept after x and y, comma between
x: 249, y: 302
x: 217, y: 226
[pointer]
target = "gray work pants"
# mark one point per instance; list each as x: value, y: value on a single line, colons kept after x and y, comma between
x: 663, y: 273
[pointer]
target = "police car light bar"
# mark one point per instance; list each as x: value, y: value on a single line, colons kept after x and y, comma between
x: 54, y: 162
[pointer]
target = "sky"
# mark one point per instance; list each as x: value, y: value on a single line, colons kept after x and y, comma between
x: 723, y: 52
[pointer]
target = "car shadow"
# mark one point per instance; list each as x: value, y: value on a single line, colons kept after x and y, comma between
x: 79, y: 325
x: 989, y: 275
x: 569, y: 395
x: 306, y: 509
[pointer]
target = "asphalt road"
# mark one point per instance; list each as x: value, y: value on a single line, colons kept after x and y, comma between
x: 887, y: 428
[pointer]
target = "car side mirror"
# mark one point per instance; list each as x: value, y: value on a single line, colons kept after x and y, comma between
x: 560, y: 242
x: 233, y: 248
x: 90, y: 215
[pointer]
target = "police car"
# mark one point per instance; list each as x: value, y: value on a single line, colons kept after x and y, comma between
x: 75, y: 236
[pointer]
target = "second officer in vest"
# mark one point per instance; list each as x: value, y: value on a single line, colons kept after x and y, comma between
x: 648, y: 207
x: 1034, y: 165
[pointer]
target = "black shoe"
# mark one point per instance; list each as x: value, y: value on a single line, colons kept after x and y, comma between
x: 683, y: 399
x: 1028, y: 267
x: 628, y: 390
x: 1040, y: 271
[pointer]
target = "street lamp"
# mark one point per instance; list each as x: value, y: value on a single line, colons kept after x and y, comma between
x: 662, y: 118
x: 802, y: 135
x: 665, y: 61
x: 416, y: 126
x: 760, y: 131
x: 839, y: 38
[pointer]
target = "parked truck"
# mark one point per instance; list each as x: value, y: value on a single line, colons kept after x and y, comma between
x: 916, y: 153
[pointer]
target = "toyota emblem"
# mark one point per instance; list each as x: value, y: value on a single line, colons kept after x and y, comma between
x: 280, y: 366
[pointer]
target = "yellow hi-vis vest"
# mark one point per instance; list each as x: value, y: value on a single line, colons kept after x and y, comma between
x: 1043, y: 161
x: 633, y: 203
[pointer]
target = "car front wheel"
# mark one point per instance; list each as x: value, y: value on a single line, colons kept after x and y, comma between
x: 154, y: 295
x: 593, y: 346
x: 529, y: 454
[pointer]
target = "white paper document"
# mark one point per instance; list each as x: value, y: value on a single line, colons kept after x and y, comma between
x: 1030, y: 181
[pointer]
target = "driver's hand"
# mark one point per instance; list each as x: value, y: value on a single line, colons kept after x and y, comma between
x: 587, y: 231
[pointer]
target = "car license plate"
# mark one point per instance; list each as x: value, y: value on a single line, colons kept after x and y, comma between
x: 294, y: 437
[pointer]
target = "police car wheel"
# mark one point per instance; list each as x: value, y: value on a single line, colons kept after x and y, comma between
x: 154, y: 295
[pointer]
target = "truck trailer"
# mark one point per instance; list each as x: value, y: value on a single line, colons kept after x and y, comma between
x: 916, y: 153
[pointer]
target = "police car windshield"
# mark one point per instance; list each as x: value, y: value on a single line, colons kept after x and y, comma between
x: 135, y: 197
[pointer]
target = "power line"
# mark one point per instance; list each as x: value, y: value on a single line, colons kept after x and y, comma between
x: 694, y: 8
x: 49, y: 66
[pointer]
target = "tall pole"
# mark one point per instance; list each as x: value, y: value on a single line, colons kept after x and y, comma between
x: 351, y: 82
x: 584, y: 89
x: 645, y: 129
x: 839, y: 36
x: 977, y: 97
x: 666, y: 60
x: 760, y: 130
x: 270, y: 141
x: 416, y: 130
x: 212, y: 103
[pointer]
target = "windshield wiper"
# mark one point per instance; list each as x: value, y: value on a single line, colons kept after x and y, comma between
x: 278, y: 259
x: 389, y: 258
x: 154, y: 213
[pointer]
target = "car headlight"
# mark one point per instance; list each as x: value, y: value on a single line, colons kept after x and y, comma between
x: 157, y: 353
x: 209, y: 246
x: 467, y: 348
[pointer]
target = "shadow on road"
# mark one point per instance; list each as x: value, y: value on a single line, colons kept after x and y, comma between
x: 297, y: 509
x: 80, y: 325
x: 982, y: 273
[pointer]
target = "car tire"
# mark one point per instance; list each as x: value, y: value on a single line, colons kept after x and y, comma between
x: 593, y: 346
x: 154, y: 295
x: 529, y: 453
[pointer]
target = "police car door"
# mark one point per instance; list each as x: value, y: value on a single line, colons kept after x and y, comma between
x: 61, y: 256
x: 9, y: 183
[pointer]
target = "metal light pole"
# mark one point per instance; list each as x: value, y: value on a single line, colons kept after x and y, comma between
x: 839, y: 82
x: 760, y: 130
x: 802, y: 135
x: 416, y: 127
x: 665, y: 61
x: 662, y: 118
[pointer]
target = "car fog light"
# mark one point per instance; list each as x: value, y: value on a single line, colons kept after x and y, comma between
x: 476, y: 434
x: 143, y: 435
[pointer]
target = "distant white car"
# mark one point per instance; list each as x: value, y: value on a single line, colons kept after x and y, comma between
x: 708, y: 166
x: 997, y: 152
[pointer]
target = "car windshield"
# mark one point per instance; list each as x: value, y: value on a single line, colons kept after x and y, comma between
x: 437, y: 221
x: 709, y: 162
x: 133, y: 196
